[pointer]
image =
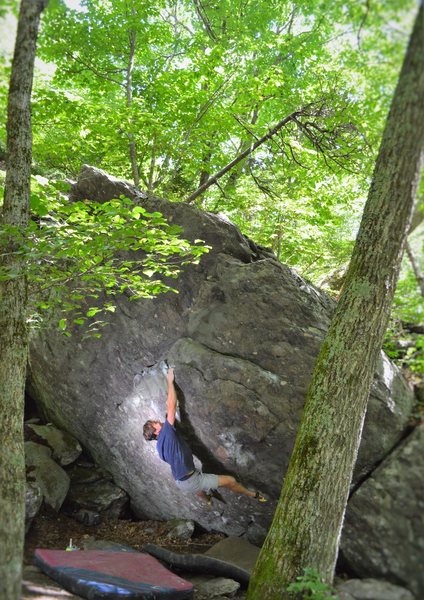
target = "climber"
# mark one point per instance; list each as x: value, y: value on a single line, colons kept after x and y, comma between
x: 174, y: 450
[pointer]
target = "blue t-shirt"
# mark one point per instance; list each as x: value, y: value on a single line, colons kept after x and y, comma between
x: 174, y: 450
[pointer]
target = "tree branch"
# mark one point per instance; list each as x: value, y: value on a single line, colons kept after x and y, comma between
x: 201, y: 13
x: 243, y: 155
x: 89, y: 67
x: 419, y: 276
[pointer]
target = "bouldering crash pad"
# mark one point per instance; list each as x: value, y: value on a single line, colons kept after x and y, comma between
x: 97, y: 574
x: 199, y: 563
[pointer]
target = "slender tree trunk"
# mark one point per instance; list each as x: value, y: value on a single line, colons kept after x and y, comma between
x: 419, y: 275
x: 236, y: 173
x: 129, y: 84
x: 150, y: 181
x: 13, y: 301
x: 307, y: 524
x: 418, y: 216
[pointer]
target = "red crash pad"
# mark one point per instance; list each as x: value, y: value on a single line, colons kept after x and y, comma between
x: 96, y: 574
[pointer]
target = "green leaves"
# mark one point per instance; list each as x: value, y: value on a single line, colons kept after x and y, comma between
x: 77, y: 251
x: 203, y: 87
x: 311, y: 587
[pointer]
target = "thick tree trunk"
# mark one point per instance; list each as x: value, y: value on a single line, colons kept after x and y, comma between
x: 13, y: 299
x: 308, y: 520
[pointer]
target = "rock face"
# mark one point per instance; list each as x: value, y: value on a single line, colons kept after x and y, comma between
x: 243, y: 334
x: 383, y: 535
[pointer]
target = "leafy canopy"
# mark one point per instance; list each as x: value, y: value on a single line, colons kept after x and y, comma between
x: 188, y: 86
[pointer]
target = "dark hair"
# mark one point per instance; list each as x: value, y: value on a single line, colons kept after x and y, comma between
x: 149, y: 431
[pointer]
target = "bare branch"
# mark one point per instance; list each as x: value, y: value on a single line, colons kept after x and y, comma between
x: 243, y: 155
x: 89, y: 67
x: 201, y: 13
x: 362, y: 23
x: 419, y: 276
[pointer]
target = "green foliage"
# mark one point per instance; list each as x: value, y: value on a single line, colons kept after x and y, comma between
x: 206, y: 83
x: 311, y: 587
x: 404, y: 347
x: 77, y: 253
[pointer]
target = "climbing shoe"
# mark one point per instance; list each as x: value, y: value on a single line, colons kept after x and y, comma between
x: 260, y: 498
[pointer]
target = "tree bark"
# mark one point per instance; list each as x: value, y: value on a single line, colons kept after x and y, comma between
x: 307, y: 524
x: 13, y: 303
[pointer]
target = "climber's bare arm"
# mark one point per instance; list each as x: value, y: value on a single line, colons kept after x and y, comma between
x: 171, y: 403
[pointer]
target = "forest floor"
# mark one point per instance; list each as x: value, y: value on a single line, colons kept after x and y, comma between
x: 54, y: 530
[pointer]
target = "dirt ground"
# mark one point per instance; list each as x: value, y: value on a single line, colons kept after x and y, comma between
x: 54, y: 530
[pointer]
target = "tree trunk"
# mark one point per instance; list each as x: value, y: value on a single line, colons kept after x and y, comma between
x: 419, y: 275
x: 307, y: 524
x: 132, y: 35
x: 245, y: 145
x: 13, y: 301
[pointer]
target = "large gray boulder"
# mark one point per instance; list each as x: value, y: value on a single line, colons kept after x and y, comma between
x: 243, y: 334
x: 383, y: 535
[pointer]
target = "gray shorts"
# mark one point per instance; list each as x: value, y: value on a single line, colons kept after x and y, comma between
x: 198, y: 482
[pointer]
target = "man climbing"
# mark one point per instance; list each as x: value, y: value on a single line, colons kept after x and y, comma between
x: 175, y: 451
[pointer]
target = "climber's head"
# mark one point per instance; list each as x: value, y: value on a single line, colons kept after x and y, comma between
x: 151, y: 430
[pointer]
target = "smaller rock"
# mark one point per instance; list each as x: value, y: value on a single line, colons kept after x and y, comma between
x: 35, y: 453
x: 87, y: 517
x: 256, y: 534
x: 236, y: 551
x: 374, y: 589
x: 101, y: 497
x: 215, y: 588
x: 33, y: 502
x: 180, y: 529
x: 50, y: 478
x: 64, y: 446
x: 81, y: 474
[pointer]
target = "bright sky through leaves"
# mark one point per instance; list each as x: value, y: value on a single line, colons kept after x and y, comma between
x: 75, y: 5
